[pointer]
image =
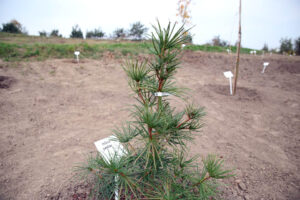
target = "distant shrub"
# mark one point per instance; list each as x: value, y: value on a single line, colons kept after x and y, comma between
x: 76, y: 32
x: 297, y: 46
x: 216, y: 41
x: 97, y: 33
x: 43, y: 33
x: 189, y: 38
x: 137, y: 30
x: 119, y: 33
x: 12, y: 27
x: 286, y: 45
x: 55, y: 33
x: 265, y: 48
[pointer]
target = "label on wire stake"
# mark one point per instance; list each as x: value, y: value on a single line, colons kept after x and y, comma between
x: 109, y: 148
x: 161, y: 94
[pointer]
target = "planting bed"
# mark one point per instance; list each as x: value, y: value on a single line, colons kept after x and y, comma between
x: 51, y: 112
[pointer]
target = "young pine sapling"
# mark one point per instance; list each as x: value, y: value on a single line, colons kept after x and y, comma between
x: 154, y: 164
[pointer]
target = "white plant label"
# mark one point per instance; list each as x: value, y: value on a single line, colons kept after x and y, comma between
x: 109, y: 147
x: 265, y: 66
x: 161, y: 94
x: 76, y: 53
x: 229, y: 75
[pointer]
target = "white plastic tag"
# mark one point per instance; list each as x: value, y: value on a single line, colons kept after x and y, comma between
x: 228, y: 74
x: 161, y: 94
x: 109, y: 147
x: 265, y: 66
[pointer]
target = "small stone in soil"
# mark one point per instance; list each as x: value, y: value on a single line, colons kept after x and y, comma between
x: 242, y: 186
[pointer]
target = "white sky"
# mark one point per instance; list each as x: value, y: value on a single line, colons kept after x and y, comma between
x: 262, y: 20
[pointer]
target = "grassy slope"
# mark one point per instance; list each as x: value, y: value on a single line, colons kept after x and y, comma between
x: 15, y: 47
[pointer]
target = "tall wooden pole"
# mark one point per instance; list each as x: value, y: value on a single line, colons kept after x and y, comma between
x: 236, y: 71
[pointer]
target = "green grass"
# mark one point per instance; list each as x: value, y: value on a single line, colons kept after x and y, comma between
x: 18, y: 47
x: 210, y: 48
x: 18, y: 52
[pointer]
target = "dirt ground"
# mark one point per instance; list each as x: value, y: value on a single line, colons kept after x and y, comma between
x: 51, y: 112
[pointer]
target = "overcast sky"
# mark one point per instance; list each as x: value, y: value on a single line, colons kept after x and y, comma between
x: 263, y: 21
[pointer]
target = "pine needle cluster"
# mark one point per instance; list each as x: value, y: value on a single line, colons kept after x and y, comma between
x: 155, y: 164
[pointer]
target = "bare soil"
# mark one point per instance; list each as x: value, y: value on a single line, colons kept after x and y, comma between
x: 51, y: 112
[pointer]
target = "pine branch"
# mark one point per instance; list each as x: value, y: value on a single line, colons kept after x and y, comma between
x: 179, y: 125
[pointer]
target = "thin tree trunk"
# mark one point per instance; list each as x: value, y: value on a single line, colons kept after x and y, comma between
x: 236, y: 71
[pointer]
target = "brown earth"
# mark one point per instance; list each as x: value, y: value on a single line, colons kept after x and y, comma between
x: 51, y: 112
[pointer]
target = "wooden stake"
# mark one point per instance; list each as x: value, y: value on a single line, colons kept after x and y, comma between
x: 236, y: 71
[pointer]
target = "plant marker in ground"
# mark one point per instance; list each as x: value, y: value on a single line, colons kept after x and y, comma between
x: 265, y: 66
x: 76, y: 53
x: 161, y: 94
x: 229, y: 75
x: 109, y: 147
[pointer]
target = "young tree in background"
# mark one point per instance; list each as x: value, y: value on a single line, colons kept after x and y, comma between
x: 10, y: 28
x: 43, y: 33
x: 189, y: 38
x: 119, y: 33
x: 55, y: 33
x: 13, y: 27
x: 265, y: 48
x: 183, y: 11
x: 297, y: 46
x: 96, y: 33
x: 137, y: 30
x: 286, y: 45
x: 216, y: 41
x: 76, y: 32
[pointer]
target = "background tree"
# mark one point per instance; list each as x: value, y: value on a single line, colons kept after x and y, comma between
x: 297, y: 46
x: 96, y: 33
x: 76, y: 32
x: 216, y: 41
x: 265, y: 48
x: 154, y: 164
x: 286, y: 45
x: 137, y: 30
x: 43, y: 33
x: 55, y: 33
x: 13, y: 27
x: 119, y: 33
x: 183, y: 11
x: 10, y: 28
x: 189, y: 38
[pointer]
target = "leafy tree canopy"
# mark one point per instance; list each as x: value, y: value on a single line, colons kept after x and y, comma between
x: 297, y: 46
x: 137, y: 30
x: 96, y: 33
x: 286, y: 45
x: 12, y: 27
x: 55, y: 33
x: 119, y: 33
x: 76, y: 32
x: 216, y: 41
